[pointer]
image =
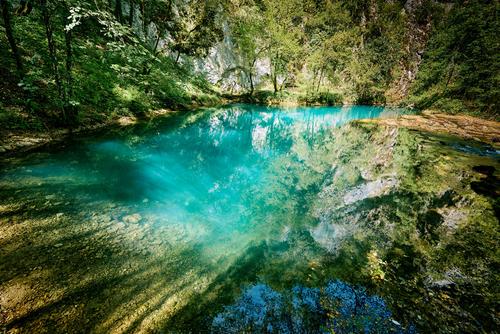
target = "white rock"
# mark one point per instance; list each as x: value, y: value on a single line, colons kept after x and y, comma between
x: 132, y: 219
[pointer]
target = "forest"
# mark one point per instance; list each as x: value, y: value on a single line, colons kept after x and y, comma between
x: 249, y: 166
x: 69, y: 62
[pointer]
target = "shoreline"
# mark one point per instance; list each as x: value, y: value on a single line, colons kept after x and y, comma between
x: 15, y: 142
x: 461, y: 125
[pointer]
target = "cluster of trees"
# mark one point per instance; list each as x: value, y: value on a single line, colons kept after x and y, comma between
x: 353, y: 46
x: 370, y: 51
x: 72, y: 54
x: 461, y: 65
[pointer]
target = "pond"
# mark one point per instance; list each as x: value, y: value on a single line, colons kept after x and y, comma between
x: 158, y: 227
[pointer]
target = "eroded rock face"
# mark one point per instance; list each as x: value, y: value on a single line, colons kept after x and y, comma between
x: 224, y: 66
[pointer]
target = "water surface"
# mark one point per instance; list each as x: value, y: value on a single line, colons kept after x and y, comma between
x: 134, y: 231
x: 200, y: 174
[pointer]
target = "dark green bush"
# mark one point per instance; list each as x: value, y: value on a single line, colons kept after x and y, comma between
x: 370, y: 96
x: 322, y: 98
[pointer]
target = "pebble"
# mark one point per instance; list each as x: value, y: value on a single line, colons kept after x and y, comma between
x: 132, y: 219
x: 106, y: 219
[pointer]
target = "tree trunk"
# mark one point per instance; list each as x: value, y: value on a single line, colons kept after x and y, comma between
x: 69, y: 52
x: 131, y: 13
x: 250, y: 76
x: 69, y: 108
x: 10, y: 36
x: 275, y: 82
x: 363, y: 29
x: 274, y: 73
x: 283, y: 83
x: 144, y: 18
x: 52, y: 52
x: 450, y: 75
x: 118, y: 10
x: 320, y: 79
x: 157, y: 42
x: 312, y: 87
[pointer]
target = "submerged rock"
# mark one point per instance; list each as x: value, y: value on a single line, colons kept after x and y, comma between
x: 370, y: 189
x: 330, y: 235
x: 132, y: 219
x: 452, y: 217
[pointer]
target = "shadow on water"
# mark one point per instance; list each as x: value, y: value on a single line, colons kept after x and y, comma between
x: 93, y: 285
x: 155, y: 230
x: 281, y: 264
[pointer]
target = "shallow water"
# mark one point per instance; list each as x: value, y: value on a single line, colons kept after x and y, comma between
x: 200, y: 177
x: 158, y: 227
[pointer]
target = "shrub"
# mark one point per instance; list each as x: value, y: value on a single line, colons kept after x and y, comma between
x: 322, y: 98
x: 136, y: 101
x: 370, y: 96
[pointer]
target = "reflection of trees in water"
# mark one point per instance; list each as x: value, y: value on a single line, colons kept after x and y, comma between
x: 290, y: 181
x: 338, y: 308
x: 273, y: 193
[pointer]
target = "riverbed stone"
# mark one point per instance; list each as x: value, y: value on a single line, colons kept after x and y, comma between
x: 133, y: 218
x: 369, y: 190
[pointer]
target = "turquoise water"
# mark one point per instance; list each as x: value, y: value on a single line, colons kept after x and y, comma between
x: 203, y: 172
x: 170, y: 217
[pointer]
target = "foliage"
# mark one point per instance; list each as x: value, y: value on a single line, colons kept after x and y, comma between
x: 322, y: 98
x: 461, y: 66
x: 392, y: 210
x: 321, y: 46
x: 81, y: 59
x: 68, y: 56
x: 368, y: 49
x: 196, y: 27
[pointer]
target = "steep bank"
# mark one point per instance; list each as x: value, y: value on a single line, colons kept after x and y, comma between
x: 68, y: 66
x: 98, y: 62
x: 422, y: 53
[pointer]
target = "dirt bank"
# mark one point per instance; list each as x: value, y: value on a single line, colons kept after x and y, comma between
x: 12, y: 141
x: 467, y: 127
